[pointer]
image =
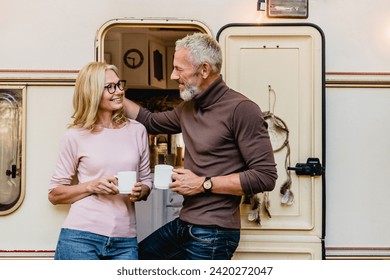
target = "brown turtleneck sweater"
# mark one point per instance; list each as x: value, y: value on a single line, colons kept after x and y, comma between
x: 224, y: 132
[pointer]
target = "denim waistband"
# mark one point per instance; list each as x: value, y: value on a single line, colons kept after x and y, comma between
x: 206, y: 226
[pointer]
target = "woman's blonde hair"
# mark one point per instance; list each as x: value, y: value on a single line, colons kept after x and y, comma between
x: 88, y: 92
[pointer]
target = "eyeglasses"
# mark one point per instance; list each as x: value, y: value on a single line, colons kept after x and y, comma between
x: 111, y: 88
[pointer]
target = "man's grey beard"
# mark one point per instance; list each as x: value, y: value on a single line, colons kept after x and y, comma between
x: 189, y: 93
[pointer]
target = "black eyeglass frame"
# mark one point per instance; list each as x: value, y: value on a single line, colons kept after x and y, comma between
x: 111, y: 87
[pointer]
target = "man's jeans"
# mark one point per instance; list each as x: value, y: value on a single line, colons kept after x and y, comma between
x: 82, y: 245
x: 178, y: 240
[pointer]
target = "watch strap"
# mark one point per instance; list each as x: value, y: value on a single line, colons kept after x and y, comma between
x: 207, y: 190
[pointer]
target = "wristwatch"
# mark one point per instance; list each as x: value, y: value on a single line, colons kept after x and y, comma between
x: 207, y: 185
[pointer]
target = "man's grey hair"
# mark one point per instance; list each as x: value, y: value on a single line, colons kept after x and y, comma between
x: 203, y: 48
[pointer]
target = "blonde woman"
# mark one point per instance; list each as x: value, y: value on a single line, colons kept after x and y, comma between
x: 100, y: 142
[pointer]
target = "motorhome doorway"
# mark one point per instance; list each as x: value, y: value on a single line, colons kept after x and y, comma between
x: 143, y: 52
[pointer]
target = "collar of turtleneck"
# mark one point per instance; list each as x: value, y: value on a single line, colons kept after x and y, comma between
x: 212, y: 94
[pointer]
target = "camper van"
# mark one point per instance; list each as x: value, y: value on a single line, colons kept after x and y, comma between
x: 319, y: 70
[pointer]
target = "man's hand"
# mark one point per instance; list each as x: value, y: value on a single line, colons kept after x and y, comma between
x: 185, y: 182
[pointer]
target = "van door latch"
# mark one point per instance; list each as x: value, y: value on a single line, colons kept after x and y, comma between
x: 12, y: 171
x: 312, y: 167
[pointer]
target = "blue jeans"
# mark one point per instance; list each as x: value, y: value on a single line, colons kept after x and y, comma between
x: 178, y: 240
x: 82, y: 245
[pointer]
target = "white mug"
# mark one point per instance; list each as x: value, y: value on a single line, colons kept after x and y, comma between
x: 126, y: 181
x: 162, y: 176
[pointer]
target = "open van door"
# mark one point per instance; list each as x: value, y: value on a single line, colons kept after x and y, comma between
x: 281, y: 67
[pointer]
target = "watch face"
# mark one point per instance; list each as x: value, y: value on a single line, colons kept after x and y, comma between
x: 207, y: 184
x: 133, y: 58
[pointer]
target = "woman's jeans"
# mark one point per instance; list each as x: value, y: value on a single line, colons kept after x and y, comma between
x: 82, y: 245
x: 180, y: 240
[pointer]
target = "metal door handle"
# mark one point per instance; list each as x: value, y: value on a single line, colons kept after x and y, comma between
x: 12, y: 171
x: 312, y: 167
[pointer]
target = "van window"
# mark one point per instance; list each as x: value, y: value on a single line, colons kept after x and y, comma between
x: 11, y: 111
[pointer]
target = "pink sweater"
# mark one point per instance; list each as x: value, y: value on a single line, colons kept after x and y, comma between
x: 89, y: 156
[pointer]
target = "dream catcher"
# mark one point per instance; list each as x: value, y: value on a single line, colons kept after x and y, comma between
x: 279, y: 136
